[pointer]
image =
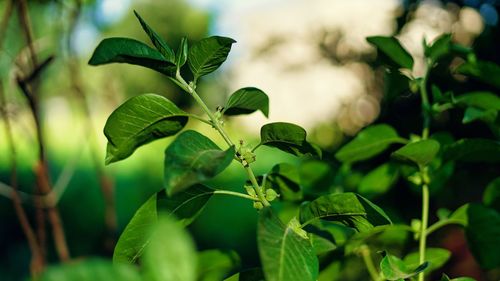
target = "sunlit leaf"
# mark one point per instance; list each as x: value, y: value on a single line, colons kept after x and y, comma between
x: 392, y: 49
x: 193, y: 158
x: 379, y: 180
x: 421, y: 152
x: 439, y: 48
x: 368, y: 143
x: 285, y: 255
x: 138, y: 121
x: 436, y: 257
x: 170, y: 254
x: 247, y: 100
x: 482, y: 100
x: 350, y: 209
x: 90, y: 269
x: 208, y: 54
x: 394, y: 268
x: 182, y: 53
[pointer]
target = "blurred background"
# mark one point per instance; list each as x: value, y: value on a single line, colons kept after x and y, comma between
x: 309, y: 56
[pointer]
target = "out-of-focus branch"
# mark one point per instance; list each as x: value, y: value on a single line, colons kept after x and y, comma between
x: 78, y: 88
x: 28, y: 85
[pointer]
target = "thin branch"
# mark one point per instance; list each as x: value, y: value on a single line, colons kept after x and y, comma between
x: 28, y: 85
x: 37, y: 260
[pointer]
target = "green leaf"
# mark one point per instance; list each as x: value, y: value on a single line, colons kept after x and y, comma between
x: 133, y: 239
x: 321, y: 245
x: 157, y: 41
x: 287, y: 137
x: 440, y: 48
x: 459, y: 216
x: 485, y: 71
x: 491, y: 196
x: 379, y: 180
x: 170, y: 254
x: 138, y: 121
x: 126, y: 50
x: 182, y: 53
x: 368, y: 143
x: 446, y: 278
x: 186, y: 205
x: 421, y: 152
x: 247, y: 100
x: 481, y: 100
x: 348, y: 208
x: 253, y: 274
x: 436, y: 257
x: 473, y: 151
x: 285, y: 255
x: 472, y: 114
x: 193, y: 158
x: 284, y: 179
x: 391, y: 48
x: 91, y: 269
x: 208, y: 54
x: 483, y: 235
x: 394, y: 268
x: 215, y: 265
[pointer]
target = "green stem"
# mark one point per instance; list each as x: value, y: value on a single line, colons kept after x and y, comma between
x: 440, y: 224
x: 425, y: 105
x: 236, y: 194
x: 370, y: 266
x: 200, y: 119
x: 216, y: 124
x: 256, y: 186
x: 423, y: 229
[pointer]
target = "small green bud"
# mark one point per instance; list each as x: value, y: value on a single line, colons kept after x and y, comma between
x: 250, y: 191
x: 414, y: 87
x: 258, y: 205
x: 415, y: 179
x: 271, y: 194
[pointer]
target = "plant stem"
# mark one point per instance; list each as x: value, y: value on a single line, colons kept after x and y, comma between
x: 440, y: 224
x: 216, y: 124
x: 367, y: 258
x: 237, y: 194
x: 423, y: 230
x: 425, y: 187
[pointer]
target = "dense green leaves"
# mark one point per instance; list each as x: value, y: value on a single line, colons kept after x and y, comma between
x: 138, y: 121
x: 134, y: 238
x: 484, y: 71
x: 247, y: 100
x: 91, y: 269
x: 208, y: 54
x: 348, y: 208
x: 126, y: 50
x: 170, y: 254
x: 214, y: 265
x: 287, y: 137
x: 157, y: 41
x: 392, y: 49
x: 285, y: 255
x: 421, y: 152
x: 368, y: 143
x: 483, y: 235
x: 394, y: 268
x: 473, y: 150
x: 379, y: 180
x: 436, y: 257
x: 193, y: 158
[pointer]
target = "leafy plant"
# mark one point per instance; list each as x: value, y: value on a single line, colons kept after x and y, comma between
x: 329, y: 225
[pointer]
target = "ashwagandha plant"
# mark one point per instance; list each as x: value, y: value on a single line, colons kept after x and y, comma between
x: 329, y: 225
